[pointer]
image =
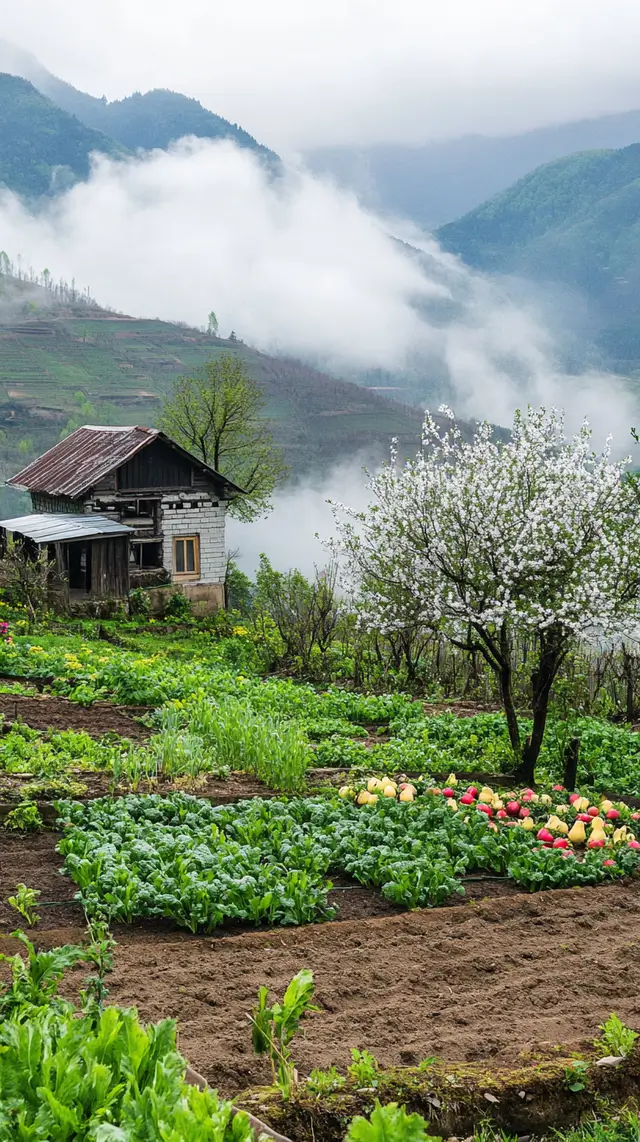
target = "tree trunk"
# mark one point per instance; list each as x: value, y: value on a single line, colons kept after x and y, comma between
x: 552, y: 651
x: 510, y: 710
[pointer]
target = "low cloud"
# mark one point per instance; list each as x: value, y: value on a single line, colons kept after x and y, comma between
x: 295, y: 265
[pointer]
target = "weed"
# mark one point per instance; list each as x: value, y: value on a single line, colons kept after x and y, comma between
x: 25, y: 902
x: 25, y: 818
x: 364, y: 1068
x: 617, y: 1038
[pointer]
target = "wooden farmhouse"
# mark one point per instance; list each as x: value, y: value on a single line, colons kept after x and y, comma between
x: 118, y: 508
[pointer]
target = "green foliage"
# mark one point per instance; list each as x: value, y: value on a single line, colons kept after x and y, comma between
x: 273, y: 1027
x: 217, y: 415
x: 305, y: 613
x: 44, y: 148
x: 25, y: 902
x: 139, y: 602
x: 321, y: 1082
x: 389, y: 1123
x: 35, y: 978
x: 25, y: 818
x: 572, y: 221
x: 617, y: 1038
x: 575, y: 1075
x: 267, y: 861
x: 178, y: 606
x: 363, y: 1068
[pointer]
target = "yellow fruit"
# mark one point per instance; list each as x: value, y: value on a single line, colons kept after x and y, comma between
x: 451, y: 803
x: 562, y: 827
x: 545, y: 799
x: 497, y: 803
x: 562, y: 809
x: 577, y: 834
x: 528, y: 824
x: 406, y: 795
x: 373, y: 785
x: 605, y: 806
x: 597, y: 835
x: 451, y: 780
x: 597, y: 825
x: 534, y: 797
x: 553, y: 822
x: 345, y: 791
x: 620, y: 835
x: 363, y: 797
x: 388, y: 791
x: 486, y: 795
x: 373, y: 797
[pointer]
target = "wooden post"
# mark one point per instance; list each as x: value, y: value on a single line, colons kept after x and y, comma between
x: 571, y: 756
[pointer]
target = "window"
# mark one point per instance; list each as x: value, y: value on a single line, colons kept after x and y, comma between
x: 186, y: 557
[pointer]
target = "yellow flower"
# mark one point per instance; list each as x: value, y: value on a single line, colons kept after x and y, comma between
x: 36, y: 650
x: 240, y: 631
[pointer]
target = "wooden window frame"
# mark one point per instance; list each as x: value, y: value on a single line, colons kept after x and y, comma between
x: 184, y: 575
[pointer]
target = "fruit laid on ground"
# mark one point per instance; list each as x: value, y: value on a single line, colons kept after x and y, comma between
x: 513, y: 808
x: 577, y: 834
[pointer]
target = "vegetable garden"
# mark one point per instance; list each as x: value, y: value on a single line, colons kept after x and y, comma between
x: 253, y: 831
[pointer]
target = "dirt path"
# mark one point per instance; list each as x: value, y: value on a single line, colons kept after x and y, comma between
x: 43, y: 712
x: 486, y: 980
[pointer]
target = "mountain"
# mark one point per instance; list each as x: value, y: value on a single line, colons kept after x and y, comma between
x: 574, y: 224
x: 440, y: 181
x: 42, y: 147
x: 64, y: 359
x: 154, y: 119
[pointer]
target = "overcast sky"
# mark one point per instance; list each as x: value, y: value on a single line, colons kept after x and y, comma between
x: 302, y: 72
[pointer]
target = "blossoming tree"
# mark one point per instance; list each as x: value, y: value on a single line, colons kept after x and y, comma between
x: 487, y: 539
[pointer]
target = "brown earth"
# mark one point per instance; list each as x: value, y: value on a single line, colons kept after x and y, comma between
x: 491, y: 980
x: 43, y: 712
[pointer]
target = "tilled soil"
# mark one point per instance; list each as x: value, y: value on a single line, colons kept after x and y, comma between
x: 493, y: 979
x: 43, y: 712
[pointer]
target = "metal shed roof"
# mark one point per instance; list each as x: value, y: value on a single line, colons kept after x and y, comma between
x: 49, y: 528
x: 82, y: 459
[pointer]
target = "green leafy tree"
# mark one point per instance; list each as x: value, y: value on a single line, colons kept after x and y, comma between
x: 212, y: 324
x: 217, y: 415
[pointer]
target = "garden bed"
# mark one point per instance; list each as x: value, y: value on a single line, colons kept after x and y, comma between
x: 442, y: 982
x: 43, y: 712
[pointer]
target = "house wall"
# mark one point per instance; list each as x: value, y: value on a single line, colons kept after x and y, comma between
x: 207, y: 522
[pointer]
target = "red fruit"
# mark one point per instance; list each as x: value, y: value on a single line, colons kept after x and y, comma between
x: 524, y: 813
x: 502, y: 814
x: 586, y: 817
x: 527, y: 792
x: 448, y: 792
x: 635, y: 816
x: 482, y: 808
x: 513, y: 808
x: 544, y: 835
x: 546, y: 845
x: 593, y: 812
x: 608, y: 864
x: 561, y: 843
x: 558, y: 788
x: 613, y: 815
x: 473, y: 790
x: 574, y: 797
x: 634, y: 844
x: 594, y: 843
x: 467, y: 799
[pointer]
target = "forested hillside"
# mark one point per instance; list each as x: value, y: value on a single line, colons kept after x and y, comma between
x: 575, y: 222
x: 141, y: 121
x: 43, y: 148
x: 439, y: 181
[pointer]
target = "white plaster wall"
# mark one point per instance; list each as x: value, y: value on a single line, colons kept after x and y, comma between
x: 206, y: 521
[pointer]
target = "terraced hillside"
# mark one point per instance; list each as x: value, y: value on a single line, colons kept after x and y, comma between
x: 81, y: 363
